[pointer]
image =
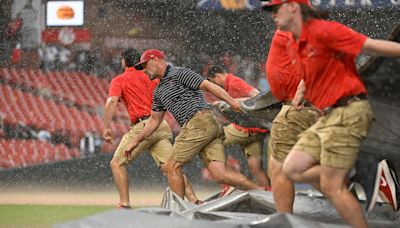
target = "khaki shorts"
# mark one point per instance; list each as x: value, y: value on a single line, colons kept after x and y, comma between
x: 199, y: 135
x: 336, y: 138
x: 286, y: 127
x: 159, y: 143
x: 251, y: 143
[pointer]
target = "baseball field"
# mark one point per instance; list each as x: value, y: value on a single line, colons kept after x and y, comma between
x: 32, y: 215
x: 39, y: 207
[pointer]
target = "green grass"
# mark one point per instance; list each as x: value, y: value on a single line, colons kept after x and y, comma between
x: 44, y: 215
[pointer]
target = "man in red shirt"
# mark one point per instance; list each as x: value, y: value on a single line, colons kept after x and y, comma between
x: 325, y: 52
x: 135, y: 89
x: 249, y: 139
x: 283, y: 78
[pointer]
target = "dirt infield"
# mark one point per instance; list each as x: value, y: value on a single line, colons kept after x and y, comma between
x: 140, y: 197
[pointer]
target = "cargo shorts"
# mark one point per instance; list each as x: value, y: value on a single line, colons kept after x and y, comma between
x: 251, y: 143
x: 336, y: 138
x: 286, y: 127
x: 199, y: 135
x: 159, y: 143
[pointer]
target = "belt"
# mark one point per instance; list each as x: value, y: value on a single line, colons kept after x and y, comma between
x: 345, y: 101
x: 250, y: 131
x: 305, y: 104
x: 202, y: 112
x: 140, y: 119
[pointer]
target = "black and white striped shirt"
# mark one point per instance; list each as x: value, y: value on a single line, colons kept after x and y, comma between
x: 178, y: 92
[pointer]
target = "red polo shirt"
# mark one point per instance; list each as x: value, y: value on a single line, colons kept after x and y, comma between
x: 282, y: 72
x: 237, y: 88
x: 135, y: 89
x: 327, y: 52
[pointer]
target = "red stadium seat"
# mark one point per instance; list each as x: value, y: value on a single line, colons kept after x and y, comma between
x: 20, y: 153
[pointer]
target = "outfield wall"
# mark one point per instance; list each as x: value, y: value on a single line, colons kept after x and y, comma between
x: 83, y: 173
x: 93, y: 173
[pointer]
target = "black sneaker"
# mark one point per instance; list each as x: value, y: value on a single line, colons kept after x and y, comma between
x: 368, y: 174
x: 387, y: 187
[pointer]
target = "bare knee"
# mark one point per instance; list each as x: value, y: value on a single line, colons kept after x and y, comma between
x: 296, y: 163
x: 172, y: 166
x: 218, y: 174
x: 115, y: 164
x: 290, y: 171
x: 332, y: 181
x: 330, y: 190
x: 218, y: 177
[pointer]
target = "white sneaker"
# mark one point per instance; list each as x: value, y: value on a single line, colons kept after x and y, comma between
x: 387, y: 186
x: 368, y: 174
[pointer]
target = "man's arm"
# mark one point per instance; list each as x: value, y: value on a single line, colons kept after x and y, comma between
x: 220, y: 93
x: 109, y: 110
x: 151, y: 126
x: 253, y: 93
x: 381, y: 47
x: 154, y: 121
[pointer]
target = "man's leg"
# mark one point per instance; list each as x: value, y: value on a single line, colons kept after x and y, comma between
x: 252, y: 147
x: 253, y: 151
x: 195, y: 134
x: 175, y: 177
x: 118, y: 168
x: 333, y: 186
x: 282, y: 187
x: 341, y: 142
x: 189, y: 192
x: 222, y: 175
x: 162, y: 150
x: 120, y: 175
x: 286, y: 127
x: 119, y: 162
x: 256, y: 169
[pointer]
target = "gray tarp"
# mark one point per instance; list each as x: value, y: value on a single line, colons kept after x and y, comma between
x: 240, y: 209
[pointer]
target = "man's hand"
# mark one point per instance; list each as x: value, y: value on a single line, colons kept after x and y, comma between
x: 298, y: 103
x: 109, y: 109
x: 298, y: 99
x: 235, y: 105
x: 107, y: 135
x: 130, y: 147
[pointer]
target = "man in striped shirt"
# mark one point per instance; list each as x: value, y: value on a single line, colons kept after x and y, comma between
x: 179, y: 92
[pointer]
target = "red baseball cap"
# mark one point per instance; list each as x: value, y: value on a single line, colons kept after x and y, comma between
x: 147, y: 56
x: 267, y: 5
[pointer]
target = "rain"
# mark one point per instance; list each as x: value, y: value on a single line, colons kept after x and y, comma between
x: 54, y: 80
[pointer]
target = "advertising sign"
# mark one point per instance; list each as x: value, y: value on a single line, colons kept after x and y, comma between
x: 64, y: 13
x: 255, y: 4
